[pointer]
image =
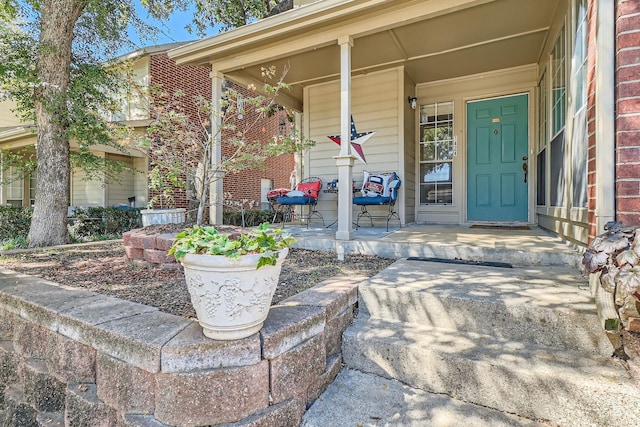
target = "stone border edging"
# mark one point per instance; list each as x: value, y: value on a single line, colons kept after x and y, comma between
x: 134, y: 361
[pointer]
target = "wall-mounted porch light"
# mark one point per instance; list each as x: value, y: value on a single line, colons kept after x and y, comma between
x: 413, y: 101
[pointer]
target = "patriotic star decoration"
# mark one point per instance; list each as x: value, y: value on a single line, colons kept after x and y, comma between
x: 357, y: 141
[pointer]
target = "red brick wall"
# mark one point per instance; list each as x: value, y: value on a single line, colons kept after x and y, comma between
x: 628, y: 112
x: 591, y: 118
x: 195, y: 80
x: 246, y: 184
x: 192, y: 80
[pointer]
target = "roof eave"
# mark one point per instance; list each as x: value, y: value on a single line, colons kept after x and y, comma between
x: 316, y: 13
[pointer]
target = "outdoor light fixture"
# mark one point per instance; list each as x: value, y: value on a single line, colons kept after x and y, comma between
x: 413, y: 101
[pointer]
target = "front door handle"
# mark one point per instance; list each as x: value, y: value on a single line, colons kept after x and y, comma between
x: 525, y: 167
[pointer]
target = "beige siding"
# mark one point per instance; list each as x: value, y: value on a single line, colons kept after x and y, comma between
x: 140, y: 187
x: 85, y: 193
x: 408, y: 198
x: 374, y: 107
x: 118, y: 192
x: 8, y: 117
x: 138, y: 106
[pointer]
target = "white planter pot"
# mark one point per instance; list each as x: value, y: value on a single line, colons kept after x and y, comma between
x: 163, y: 216
x: 231, y: 297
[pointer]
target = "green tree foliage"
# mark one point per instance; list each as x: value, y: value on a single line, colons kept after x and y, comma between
x: 51, y: 64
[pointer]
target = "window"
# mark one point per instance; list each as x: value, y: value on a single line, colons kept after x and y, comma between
x: 266, y: 185
x: 558, y: 118
x: 437, y: 149
x: 559, y: 84
x: 580, y: 53
x: 32, y: 188
x: 580, y: 138
x: 15, y: 186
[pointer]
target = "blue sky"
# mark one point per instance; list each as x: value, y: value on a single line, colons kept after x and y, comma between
x: 172, y: 30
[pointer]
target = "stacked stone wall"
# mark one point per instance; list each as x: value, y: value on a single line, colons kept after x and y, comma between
x: 75, y: 358
x: 148, y: 250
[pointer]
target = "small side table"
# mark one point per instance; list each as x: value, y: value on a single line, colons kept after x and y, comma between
x: 335, y: 191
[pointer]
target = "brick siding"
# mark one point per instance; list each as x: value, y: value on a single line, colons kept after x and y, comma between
x: 192, y: 81
x: 246, y: 184
x: 627, y: 136
x: 195, y: 80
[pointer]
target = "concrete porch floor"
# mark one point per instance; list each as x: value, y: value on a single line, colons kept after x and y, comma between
x: 519, y: 247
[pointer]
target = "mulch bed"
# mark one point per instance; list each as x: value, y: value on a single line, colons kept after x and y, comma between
x: 102, y: 268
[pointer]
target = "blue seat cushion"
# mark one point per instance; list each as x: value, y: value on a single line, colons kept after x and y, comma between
x: 378, y: 200
x: 296, y: 200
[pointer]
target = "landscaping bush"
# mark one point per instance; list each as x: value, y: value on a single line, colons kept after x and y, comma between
x: 14, y: 222
x: 252, y: 218
x: 97, y: 222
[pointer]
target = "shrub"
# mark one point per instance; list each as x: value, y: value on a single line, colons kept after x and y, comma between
x: 14, y: 222
x: 93, y: 222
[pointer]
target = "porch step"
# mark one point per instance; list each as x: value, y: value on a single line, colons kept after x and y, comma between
x: 522, y: 341
x: 550, y: 306
x: 359, y: 399
x: 544, y: 383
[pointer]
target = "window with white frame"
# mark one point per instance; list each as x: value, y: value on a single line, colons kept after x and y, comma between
x: 437, y: 149
x: 32, y: 188
x: 580, y: 53
x: 266, y: 185
x: 557, y: 180
x: 15, y: 186
x: 580, y: 139
x: 558, y: 84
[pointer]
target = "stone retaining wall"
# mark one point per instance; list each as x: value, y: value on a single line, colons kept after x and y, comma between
x: 75, y: 358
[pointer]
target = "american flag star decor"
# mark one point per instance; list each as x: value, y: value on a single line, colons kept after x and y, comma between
x: 357, y: 141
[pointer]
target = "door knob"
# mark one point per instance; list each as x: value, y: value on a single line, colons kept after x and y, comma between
x: 525, y: 169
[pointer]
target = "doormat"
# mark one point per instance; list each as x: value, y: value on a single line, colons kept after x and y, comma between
x: 463, y: 261
x: 502, y: 227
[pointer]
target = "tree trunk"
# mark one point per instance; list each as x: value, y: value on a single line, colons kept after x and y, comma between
x: 49, y: 222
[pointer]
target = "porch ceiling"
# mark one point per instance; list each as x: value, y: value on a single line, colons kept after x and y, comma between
x: 433, y: 39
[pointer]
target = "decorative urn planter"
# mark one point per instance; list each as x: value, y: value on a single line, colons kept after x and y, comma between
x: 163, y: 216
x: 231, y: 296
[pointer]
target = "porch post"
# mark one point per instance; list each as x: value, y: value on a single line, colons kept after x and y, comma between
x: 605, y: 168
x: 344, y: 161
x: 216, y: 190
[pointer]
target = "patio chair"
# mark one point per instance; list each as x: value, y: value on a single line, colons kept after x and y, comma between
x: 378, y: 190
x: 305, y: 194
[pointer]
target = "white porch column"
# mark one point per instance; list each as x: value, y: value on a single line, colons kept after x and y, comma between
x: 215, y: 190
x: 605, y: 115
x: 344, y: 161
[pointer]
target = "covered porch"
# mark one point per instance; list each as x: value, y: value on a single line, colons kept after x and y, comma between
x: 435, y: 81
x: 527, y: 245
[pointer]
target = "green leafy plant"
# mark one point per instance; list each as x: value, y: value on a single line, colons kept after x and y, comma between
x: 207, y: 240
x: 615, y: 256
x: 14, y: 222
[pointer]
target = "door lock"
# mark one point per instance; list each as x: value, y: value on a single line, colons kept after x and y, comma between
x: 525, y: 167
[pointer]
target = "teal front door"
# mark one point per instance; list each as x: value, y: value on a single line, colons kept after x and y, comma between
x: 497, y: 166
